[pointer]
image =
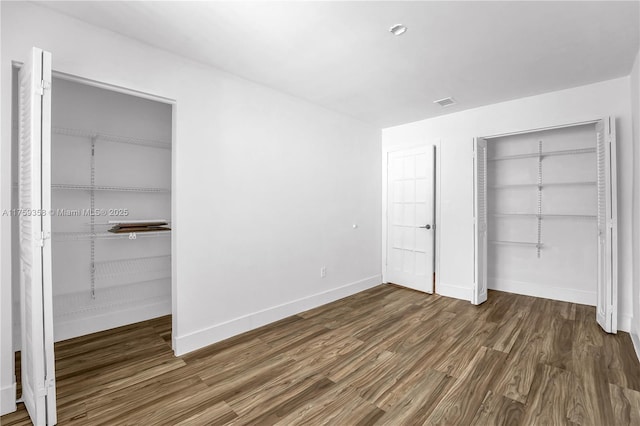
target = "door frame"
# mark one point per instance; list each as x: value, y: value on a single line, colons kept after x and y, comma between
x: 4, y: 239
x: 613, y: 196
x: 174, y: 187
x: 386, y: 150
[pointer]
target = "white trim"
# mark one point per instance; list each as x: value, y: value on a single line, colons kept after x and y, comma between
x: 612, y: 288
x: 624, y: 322
x: 541, y: 129
x: 112, y: 87
x: 8, y: 399
x: 175, y: 223
x: 636, y: 344
x: 438, y: 216
x: 544, y: 291
x: 207, y: 336
x: 102, y: 85
x: 455, y: 291
x: 87, y: 324
x: 383, y: 247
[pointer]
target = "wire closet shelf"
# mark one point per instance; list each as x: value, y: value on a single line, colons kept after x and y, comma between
x: 105, y: 137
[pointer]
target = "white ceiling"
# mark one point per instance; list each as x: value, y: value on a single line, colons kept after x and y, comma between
x: 342, y: 56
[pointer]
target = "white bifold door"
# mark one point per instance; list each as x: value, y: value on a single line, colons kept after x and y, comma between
x: 607, y: 287
x: 605, y: 232
x: 479, y: 294
x: 410, y: 218
x: 36, y: 304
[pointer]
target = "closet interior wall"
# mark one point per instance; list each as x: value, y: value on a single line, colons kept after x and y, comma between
x: 542, y: 205
x: 111, y: 161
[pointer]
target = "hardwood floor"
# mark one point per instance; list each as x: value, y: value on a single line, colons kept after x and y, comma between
x: 384, y: 356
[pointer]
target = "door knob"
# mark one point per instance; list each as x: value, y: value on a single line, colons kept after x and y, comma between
x: 425, y: 227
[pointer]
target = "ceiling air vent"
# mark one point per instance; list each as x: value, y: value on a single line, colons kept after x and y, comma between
x: 445, y: 102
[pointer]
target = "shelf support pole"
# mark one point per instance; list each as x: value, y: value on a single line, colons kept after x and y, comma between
x: 539, y: 197
x: 92, y: 218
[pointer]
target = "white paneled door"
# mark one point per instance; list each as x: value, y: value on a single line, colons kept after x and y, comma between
x: 34, y: 134
x: 410, y: 218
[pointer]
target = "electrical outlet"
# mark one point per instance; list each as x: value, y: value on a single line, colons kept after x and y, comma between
x: 323, y: 272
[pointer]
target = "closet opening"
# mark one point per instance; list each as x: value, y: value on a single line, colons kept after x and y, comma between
x: 111, y: 207
x: 545, y: 214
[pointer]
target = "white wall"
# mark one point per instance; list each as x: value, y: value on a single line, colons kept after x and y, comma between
x: 635, y: 111
x: 266, y: 186
x: 456, y: 132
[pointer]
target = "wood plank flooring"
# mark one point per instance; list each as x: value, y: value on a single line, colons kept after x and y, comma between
x: 388, y: 356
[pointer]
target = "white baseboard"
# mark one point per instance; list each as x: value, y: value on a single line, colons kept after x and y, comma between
x: 636, y: 343
x: 207, y: 336
x: 543, y: 291
x: 624, y: 322
x: 455, y: 291
x: 8, y: 399
x: 94, y: 321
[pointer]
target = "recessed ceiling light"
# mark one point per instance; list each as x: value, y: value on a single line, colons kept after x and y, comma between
x: 398, y: 29
x: 445, y: 102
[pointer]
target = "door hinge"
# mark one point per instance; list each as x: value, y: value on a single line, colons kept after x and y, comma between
x: 43, y: 237
x: 50, y: 384
x: 44, y: 85
x: 48, y: 388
